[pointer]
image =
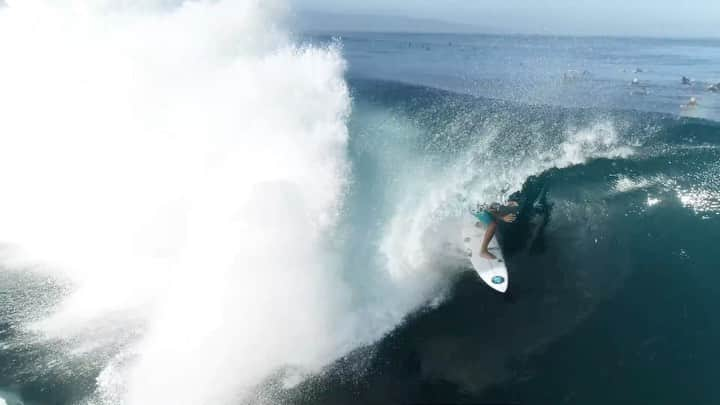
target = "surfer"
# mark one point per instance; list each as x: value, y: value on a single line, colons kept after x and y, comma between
x: 692, y: 103
x: 490, y: 215
x: 571, y: 76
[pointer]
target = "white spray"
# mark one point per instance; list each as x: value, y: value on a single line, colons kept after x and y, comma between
x: 183, y: 165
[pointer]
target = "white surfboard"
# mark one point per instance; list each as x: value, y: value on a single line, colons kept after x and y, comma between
x: 492, y: 272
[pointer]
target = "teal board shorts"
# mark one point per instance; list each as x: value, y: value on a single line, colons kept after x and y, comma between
x: 484, y: 217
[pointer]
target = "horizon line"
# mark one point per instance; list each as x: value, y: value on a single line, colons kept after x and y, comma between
x: 512, y: 34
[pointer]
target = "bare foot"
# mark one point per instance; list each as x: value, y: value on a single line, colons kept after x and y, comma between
x: 488, y: 255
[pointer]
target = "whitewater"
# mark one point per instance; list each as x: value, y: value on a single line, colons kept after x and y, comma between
x: 174, y: 175
x: 179, y: 169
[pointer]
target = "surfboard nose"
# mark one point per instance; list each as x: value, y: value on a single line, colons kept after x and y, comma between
x: 500, y: 287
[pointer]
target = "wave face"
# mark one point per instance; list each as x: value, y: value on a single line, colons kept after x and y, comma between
x: 440, y: 152
x: 619, y: 208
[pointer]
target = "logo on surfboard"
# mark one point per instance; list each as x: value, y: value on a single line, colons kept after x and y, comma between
x: 498, y: 280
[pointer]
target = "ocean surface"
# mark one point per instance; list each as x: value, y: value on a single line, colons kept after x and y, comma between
x: 612, y: 266
x: 197, y: 208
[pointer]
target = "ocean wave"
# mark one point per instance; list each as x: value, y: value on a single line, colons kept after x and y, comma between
x: 212, y: 214
x: 605, y: 196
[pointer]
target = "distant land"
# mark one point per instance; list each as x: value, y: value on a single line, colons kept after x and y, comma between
x: 316, y: 21
x: 313, y: 21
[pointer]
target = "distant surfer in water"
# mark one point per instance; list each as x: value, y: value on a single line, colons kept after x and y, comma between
x: 692, y: 103
x: 489, y: 215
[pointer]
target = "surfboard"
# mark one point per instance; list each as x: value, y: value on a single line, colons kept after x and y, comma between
x: 492, y: 272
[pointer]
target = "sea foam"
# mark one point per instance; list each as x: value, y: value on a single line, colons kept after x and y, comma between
x: 182, y: 165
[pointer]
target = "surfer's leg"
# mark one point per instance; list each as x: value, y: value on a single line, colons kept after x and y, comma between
x: 489, y: 233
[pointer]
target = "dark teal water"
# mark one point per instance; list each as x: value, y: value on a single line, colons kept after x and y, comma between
x: 613, y: 266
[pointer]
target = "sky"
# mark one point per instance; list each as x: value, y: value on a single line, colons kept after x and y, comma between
x: 681, y: 18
